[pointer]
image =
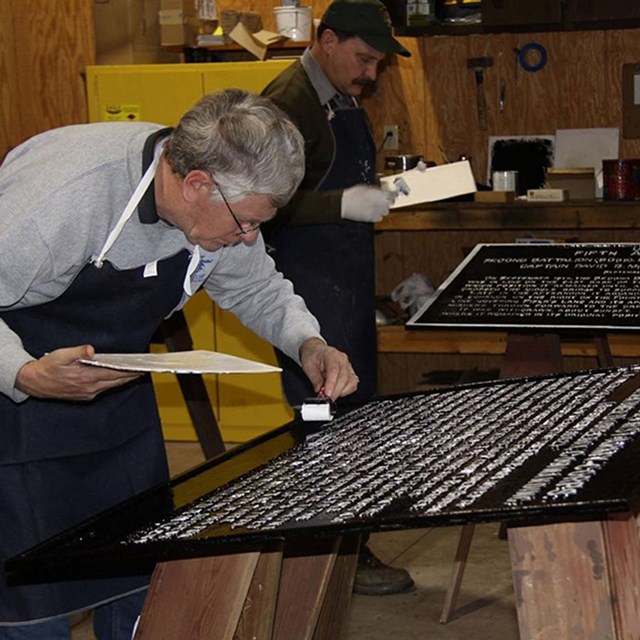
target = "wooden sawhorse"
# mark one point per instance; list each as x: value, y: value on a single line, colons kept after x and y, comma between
x: 300, y: 591
x: 174, y: 333
x: 526, y: 354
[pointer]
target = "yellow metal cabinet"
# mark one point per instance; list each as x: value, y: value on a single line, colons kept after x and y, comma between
x: 245, y: 405
x: 163, y: 92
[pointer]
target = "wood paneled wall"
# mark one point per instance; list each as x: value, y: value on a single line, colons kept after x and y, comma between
x: 44, y: 49
x: 432, y: 95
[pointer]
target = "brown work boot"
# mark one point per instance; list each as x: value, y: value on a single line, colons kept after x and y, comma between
x: 373, y: 578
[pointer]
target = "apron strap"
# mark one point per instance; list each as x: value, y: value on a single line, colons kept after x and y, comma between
x: 140, y: 190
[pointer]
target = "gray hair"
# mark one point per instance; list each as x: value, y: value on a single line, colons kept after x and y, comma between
x: 244, y: 142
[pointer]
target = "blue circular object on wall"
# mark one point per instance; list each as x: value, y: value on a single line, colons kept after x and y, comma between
x: 541, y: 55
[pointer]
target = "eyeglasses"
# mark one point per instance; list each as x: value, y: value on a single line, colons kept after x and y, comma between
x: 249, y: 227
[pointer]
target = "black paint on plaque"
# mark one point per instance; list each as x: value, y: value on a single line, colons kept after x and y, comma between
x: 529, y: 157
x: 564, y: 287
x: 514, y: 449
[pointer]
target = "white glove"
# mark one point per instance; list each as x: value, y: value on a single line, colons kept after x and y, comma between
x: 363, y: 203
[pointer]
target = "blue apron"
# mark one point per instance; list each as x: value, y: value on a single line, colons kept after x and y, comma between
x: 332, y: 265
x: 62, y: 462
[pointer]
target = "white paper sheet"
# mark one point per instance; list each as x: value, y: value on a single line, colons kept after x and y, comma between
x: 580, y: 148
x: 434, y: 183
x: 179, y: 362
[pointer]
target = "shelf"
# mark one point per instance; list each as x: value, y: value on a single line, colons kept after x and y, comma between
x: 577, y: 214
x: 397, y: 339
x: 234, y: 52
x: 479, y: 29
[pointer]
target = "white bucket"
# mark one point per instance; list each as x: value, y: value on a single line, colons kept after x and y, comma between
x: 294, y: 22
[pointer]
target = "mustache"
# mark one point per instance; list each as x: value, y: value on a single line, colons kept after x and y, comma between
x: 364, y: 82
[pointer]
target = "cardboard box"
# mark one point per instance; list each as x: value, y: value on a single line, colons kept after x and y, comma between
x: 178, y: 23
x: 547, y: 195
x: 579, y: 183
x: 127, y: 32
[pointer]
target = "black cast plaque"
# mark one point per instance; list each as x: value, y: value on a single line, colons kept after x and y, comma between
x: 539, y: 286
x: 560, y: 447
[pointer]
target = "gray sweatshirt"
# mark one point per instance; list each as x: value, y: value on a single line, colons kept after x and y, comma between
x: 63, y: 191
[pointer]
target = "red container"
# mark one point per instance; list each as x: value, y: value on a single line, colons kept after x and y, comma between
x: 621, y: 179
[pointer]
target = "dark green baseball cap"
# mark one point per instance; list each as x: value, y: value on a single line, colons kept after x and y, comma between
x: 367, y: 19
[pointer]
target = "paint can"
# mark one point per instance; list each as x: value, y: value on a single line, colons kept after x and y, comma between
x: 504, y: 180
x: 621, y: 179
x: 400, y: 163
x: 294, y: 22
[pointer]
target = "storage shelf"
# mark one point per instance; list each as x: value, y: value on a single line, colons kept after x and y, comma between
x: 575, y: 214
x: 480, y: 29
x: 234, y: 52
x: 397, y: 339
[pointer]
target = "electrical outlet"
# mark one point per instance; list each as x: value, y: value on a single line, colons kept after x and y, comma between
x: 391, y: 133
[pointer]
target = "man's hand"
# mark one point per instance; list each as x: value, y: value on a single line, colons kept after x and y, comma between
x: 59, y: 375
x: 363, y: 203
x: 328, y: 369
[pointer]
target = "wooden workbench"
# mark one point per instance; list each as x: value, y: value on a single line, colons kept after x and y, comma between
x: 433, y: 240
x: 397, y: 339
x: 260, y: 541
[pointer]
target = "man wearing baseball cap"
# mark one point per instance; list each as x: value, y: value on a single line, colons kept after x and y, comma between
x: 323, y: 239
x: 367, y: 19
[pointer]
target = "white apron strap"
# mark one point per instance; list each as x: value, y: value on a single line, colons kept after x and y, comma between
x: 140, y: 190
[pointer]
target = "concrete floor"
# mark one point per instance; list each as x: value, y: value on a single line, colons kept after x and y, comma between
x: 485, y: 609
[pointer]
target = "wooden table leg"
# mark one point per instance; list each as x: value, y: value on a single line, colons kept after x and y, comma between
x: 175, y: 333
x: 303, y: 593
x: 605, y: 358
x: 457, y: 573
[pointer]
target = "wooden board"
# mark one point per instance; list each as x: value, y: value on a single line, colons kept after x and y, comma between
x: 575, y: 579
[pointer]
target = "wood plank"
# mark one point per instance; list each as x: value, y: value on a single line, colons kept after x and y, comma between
x: 561, y: 581
x: 258, y: 613
x: 306, y: 570
x: 457, y: 572
x: 622, y: 539
x: 55, y: 93
x: 396, y: 339
x: 199, y: 598
x: 531, y: 355
x: 10, y: 124
x: 393, y: 373
x: 334, y: 614
x: 481, y: 216
x: 49, y: 51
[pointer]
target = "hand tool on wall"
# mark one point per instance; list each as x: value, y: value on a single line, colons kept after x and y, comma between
x: 479, y: 65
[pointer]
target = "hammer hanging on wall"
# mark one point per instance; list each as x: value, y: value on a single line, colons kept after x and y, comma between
x: 479, y: 65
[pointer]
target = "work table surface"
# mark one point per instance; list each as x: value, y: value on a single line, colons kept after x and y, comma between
x: 574, y: 214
